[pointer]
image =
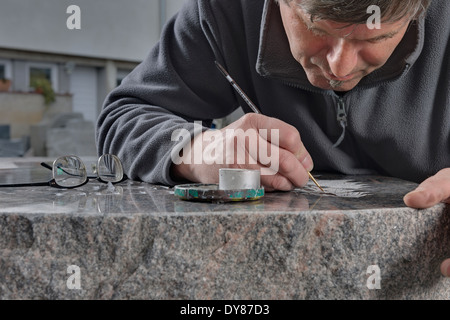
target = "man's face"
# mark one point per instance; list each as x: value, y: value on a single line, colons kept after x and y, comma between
x: 334, y: 55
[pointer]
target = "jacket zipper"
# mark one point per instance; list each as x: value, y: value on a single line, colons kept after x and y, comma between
x: 341, y: 110
x: 342, y: 120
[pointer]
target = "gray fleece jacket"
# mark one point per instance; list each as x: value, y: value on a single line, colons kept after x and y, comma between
x: 397, y: 118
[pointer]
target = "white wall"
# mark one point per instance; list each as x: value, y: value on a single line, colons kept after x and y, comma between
x: 83, y: 86
x: 111, y: 29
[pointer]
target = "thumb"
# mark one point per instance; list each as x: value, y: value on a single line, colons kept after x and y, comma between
x: 445, y: 268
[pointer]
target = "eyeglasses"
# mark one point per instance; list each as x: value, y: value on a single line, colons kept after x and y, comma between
x: 70, y: 172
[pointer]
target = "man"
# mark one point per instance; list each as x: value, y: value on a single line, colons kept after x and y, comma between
x: 357, y: 97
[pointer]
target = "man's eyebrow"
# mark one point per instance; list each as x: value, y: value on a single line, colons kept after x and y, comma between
x: 388, y: 35
x: 384, y: 36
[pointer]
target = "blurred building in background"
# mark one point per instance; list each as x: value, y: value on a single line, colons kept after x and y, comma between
x: 54, y: 77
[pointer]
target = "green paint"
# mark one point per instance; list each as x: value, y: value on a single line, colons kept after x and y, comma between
x: 193, y: 193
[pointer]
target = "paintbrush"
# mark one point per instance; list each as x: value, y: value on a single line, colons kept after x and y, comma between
x: 251, y: 104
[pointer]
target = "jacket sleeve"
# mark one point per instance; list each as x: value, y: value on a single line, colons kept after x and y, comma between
x: 174, y: 86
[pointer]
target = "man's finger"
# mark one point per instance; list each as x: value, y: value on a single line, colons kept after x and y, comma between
x: 445, y: 268
x: 430, y: 192
x: 280, y: 161
x: 287, y: 136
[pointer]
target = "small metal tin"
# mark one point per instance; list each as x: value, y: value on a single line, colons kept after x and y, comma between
x: 239, y: 179
x: 234, y: 185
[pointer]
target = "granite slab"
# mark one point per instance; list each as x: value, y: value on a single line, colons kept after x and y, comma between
x: 139, y: 241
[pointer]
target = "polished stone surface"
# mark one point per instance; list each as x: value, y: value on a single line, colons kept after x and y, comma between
x: 139, y: 241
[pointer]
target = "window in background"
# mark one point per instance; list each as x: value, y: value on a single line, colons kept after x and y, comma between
x: 5, y: 75
x: 41, y: 72
x: 5, y: 69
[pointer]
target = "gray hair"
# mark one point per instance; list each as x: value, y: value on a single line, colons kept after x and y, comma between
x: 355, y: 11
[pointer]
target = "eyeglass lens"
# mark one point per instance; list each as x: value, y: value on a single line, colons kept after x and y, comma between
x: 109, y: 168
x: 69, y: 171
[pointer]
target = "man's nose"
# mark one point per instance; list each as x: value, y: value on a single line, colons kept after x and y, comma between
x: 342, y: 58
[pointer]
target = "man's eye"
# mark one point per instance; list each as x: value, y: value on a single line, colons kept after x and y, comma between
x: 374, y: 41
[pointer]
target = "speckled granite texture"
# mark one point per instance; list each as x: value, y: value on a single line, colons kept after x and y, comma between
x: 137, y: 241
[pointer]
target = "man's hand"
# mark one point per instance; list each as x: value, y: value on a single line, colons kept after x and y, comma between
x: 430, y: 192
x: 226, y: 148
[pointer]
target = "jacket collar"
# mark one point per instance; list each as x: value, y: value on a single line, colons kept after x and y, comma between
x: 276, y: 61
